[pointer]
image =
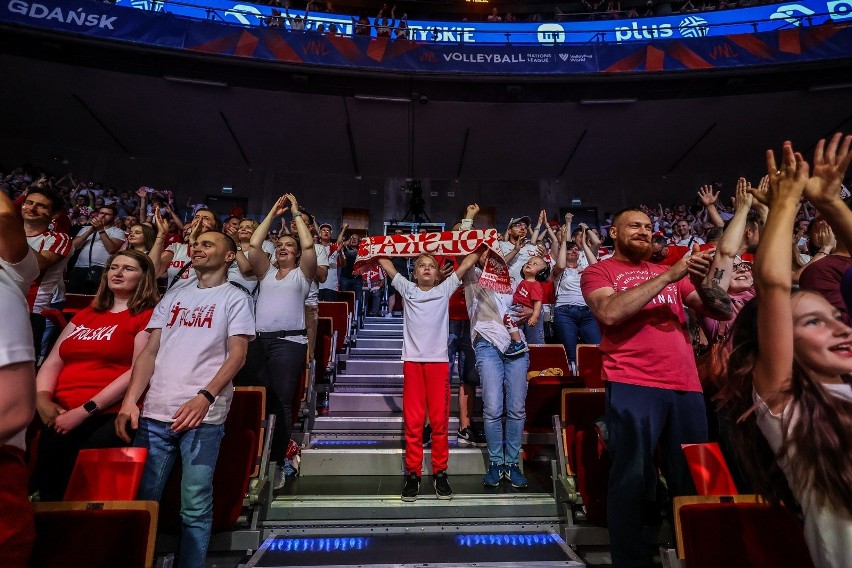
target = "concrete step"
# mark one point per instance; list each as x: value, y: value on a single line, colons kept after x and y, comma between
x: 341, y: 499
x: 350, y: 379
x: 373, y: 367
x: 360, y: 352
x: 386, y: 333
x: 374, y: 343
x: 378, y: 422
x: 384, y: 457
x: 386, y: 400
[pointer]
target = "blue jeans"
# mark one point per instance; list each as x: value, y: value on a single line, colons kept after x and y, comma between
x: 458, y: 343
x: 504, y: 388
x: 534, y: 334
x: 639, y: 418
x: 199, y: 449
x: 573, y: 322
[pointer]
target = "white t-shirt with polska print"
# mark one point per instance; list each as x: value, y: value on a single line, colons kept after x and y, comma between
x: 196, y: 324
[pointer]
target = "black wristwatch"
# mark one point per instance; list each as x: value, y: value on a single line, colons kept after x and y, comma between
x: 91, y: 407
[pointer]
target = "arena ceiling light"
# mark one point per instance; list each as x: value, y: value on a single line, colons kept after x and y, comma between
x: 191, y: 81
x: 380, y: 99
x: 625, y: 101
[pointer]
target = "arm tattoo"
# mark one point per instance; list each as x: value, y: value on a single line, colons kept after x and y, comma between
x: 717, y: 276
x: 715, y: 299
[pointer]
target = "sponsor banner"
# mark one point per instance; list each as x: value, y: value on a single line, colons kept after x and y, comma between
x: 793, y: 45
x: 755, y: 19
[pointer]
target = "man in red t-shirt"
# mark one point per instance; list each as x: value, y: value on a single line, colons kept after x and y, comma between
x: 653, y: 394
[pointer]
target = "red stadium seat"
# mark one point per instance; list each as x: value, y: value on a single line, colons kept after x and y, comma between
x: 339, y: 313
x: 238, y: 457
x: 82, y: 533
x: 348, y: 296
x: 324, y: 353
x: 593, y: 465
x: 106, y: 474
x: 74, y: 303
x: 547, y: 357
x: 709, y: 471
x: 741, y: 535
x: 580, y: 409
x: 590, y: 365
x: 543, y: 393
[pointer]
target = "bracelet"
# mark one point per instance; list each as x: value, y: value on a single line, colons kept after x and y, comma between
x: 101, y: 232
x: 206, y: 394
x: 820, y: 252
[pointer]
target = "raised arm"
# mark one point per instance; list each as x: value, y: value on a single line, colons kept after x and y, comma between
x: 591, y: 255
x: 308, y: 260
x: 708, y: 200
x: 258, y: 258
x: 823, y: 188
x: 468, y: 262
x: 772, y: 267
x: 721, y: 271
x: 542, y: 218
x: 156, y: 252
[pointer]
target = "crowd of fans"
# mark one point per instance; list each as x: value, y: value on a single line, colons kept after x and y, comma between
x: 683, y: 300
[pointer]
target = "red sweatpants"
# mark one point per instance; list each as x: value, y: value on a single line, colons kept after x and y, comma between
x: 426, y: 388
x: 17, y: 531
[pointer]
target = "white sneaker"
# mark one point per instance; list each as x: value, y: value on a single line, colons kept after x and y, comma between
x: 388, y: 315
x: 279, y: 479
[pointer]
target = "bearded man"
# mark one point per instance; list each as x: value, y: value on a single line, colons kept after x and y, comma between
x: 653, y: 394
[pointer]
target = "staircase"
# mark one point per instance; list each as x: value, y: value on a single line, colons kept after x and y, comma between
x: 352, y: 465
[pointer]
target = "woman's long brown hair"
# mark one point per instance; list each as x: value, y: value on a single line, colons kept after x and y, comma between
x: 144, y: 297
x: 819, y: 444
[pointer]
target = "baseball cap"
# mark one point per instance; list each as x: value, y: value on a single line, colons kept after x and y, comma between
x: 326, y: 225
x: 523, y: 219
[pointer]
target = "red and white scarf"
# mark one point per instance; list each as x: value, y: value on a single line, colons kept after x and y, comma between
x: 495, y: 274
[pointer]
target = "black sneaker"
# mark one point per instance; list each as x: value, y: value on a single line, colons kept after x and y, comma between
x: 470, y: 437
x: 411, y: 487
x: 442, y: 485
x: 427, y: 436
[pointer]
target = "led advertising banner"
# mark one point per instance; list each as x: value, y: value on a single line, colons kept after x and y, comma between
x: 766, y: 18
x: 107, y: 22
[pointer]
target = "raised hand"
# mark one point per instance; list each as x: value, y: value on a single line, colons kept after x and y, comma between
x: 472, y: 210
x: 706, y: 195
x: 160, y: 224
x: 786, y: 181
x: 568, y: 218
x: 743, y: 199
x: 279, y: 207
x: 583, y: 226
x: 142, y: 192
x: 829, y: 168
x: 294, y: 205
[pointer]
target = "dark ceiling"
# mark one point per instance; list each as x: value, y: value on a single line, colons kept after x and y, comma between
x: 114, y: 100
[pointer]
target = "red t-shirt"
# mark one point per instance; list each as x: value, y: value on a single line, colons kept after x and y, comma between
x: 98, y: 350
x: 652, y: 348
x: 528, y: 292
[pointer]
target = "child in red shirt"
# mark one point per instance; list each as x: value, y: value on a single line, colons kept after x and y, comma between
x: 528, y: 294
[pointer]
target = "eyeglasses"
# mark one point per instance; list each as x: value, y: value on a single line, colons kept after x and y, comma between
x: 743, y: 267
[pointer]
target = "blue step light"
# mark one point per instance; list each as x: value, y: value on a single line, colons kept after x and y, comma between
x: 532, y: 539
x: 338, y: 544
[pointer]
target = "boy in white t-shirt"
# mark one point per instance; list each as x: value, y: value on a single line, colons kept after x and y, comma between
x: 199, y: 338
x: 426, y: 367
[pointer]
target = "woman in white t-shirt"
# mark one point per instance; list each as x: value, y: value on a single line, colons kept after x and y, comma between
x: 572, y: 317
x: 282, y: 340
x: 788, y: 384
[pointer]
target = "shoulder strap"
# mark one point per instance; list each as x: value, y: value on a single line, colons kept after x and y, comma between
x: 180, y: 273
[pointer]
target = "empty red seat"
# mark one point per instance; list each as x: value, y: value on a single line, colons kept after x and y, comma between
x: 106, y: 474
x: 593, y: 465
x: 709, y: 471
x: 741, y: 535
x: 590, y: 365
x: 113, y: 533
